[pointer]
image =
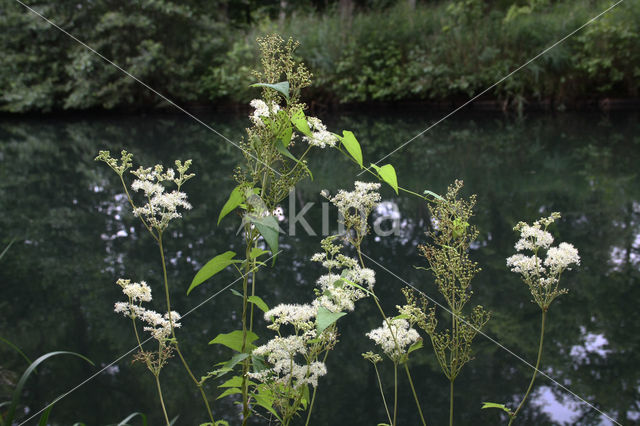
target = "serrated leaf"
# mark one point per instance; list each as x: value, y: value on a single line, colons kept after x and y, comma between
x: 233, y: 340
x: 256, y: 300
x: 299, y: 120
x: 269, y: 229
x: 325, y: 318
x: 235, y: 199
x: 352, y: 146
x: 282, y: 87
x: 234, y: 382
x: 230, y: 391
x: 417, y: 345
x: 388, y: 174
x: 212, y: 267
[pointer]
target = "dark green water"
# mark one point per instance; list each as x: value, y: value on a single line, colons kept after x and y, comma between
x: 75, y: 237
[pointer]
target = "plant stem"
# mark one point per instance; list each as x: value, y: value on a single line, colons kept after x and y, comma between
x: 395, y: 392
x: 535, y: 372
x: 245, y: 363
x: 173, y: 332
x: 313, y: 397
x: 451, y: 403
x: 415, y: 396
x: 164, y: 410
x: 384, y: 400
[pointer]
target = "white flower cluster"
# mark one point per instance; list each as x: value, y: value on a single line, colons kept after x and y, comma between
x: 262, y: 110
x: 157, y: 324
x: 280, y: 353
x: 320, y: 136
x: 161, y: 206
x: 542, y: 276
x: 405, y: 336
x: 362, y: 200
x: 534, y: 237
x: 336, y: 294
x: 300, y: 316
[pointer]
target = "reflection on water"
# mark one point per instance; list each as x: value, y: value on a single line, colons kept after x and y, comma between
x: 75, y: 237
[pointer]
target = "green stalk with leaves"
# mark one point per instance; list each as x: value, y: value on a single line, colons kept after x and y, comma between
x: 448, y: 259
x: 542, y: 277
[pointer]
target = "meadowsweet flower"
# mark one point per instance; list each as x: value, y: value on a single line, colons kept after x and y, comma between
x: 320, y: 137
x: 300, y: 316
x: 394, y: 337
x: 262, y: 110
x: 157, y: 324
x: 562, y: 257
x: 542, y: 276
x: 161, y: 207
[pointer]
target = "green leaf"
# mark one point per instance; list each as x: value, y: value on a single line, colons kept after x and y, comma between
x: 212, y: 267
x: 256, y: 300
x: 325, y: 318
x: 269, y: 229
x: 235, y: 199
x: 236, y: 293
x: 233, y: 340
x: 265, y: 399
x: 433, y: 194
x: 282, y: 87
x: 174, y: 420
x: 358, y: 286
x: 285, y: 136
x: 257, y: 363
x: 15, y: 348
x: 284, y: 151
x: 352, y: 146
x: 300, y: 121
x: 45, y: 416
x: 234, y: 382
x: 18, y: 389
x: 228, y: 392
x: 417, y: 345
x: 494, y: 405
x: 388, y: 174
x: 256, y: 252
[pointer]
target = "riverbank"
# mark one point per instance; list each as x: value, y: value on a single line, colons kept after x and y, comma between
x: 436, y: 54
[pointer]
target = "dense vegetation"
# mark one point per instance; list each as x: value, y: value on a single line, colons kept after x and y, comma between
x: 202, y: 52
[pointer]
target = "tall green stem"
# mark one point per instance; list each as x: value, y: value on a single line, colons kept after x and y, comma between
x: 415, y: 396
x: 451, y: 403
x: 245, y: 301
x: 164, y: 410
x: 535, y: 372
x: 395, y: 392
x: 173, y: 332
x: 315, y: 388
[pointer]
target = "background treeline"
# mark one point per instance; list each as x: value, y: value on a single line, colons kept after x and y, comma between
x: 202, y: 51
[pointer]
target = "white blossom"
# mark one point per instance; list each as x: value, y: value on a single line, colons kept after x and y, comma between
x: 262, y: 110
x: 320, y: 137
x: 561, y: 257
x: 405, y: 336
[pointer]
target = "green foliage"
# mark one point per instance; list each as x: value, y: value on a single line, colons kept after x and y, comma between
x: 191, y: 52
x: 212, y: 267
x: 236, y: 340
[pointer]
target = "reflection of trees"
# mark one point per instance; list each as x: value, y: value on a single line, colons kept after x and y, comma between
x: 58, y: 279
